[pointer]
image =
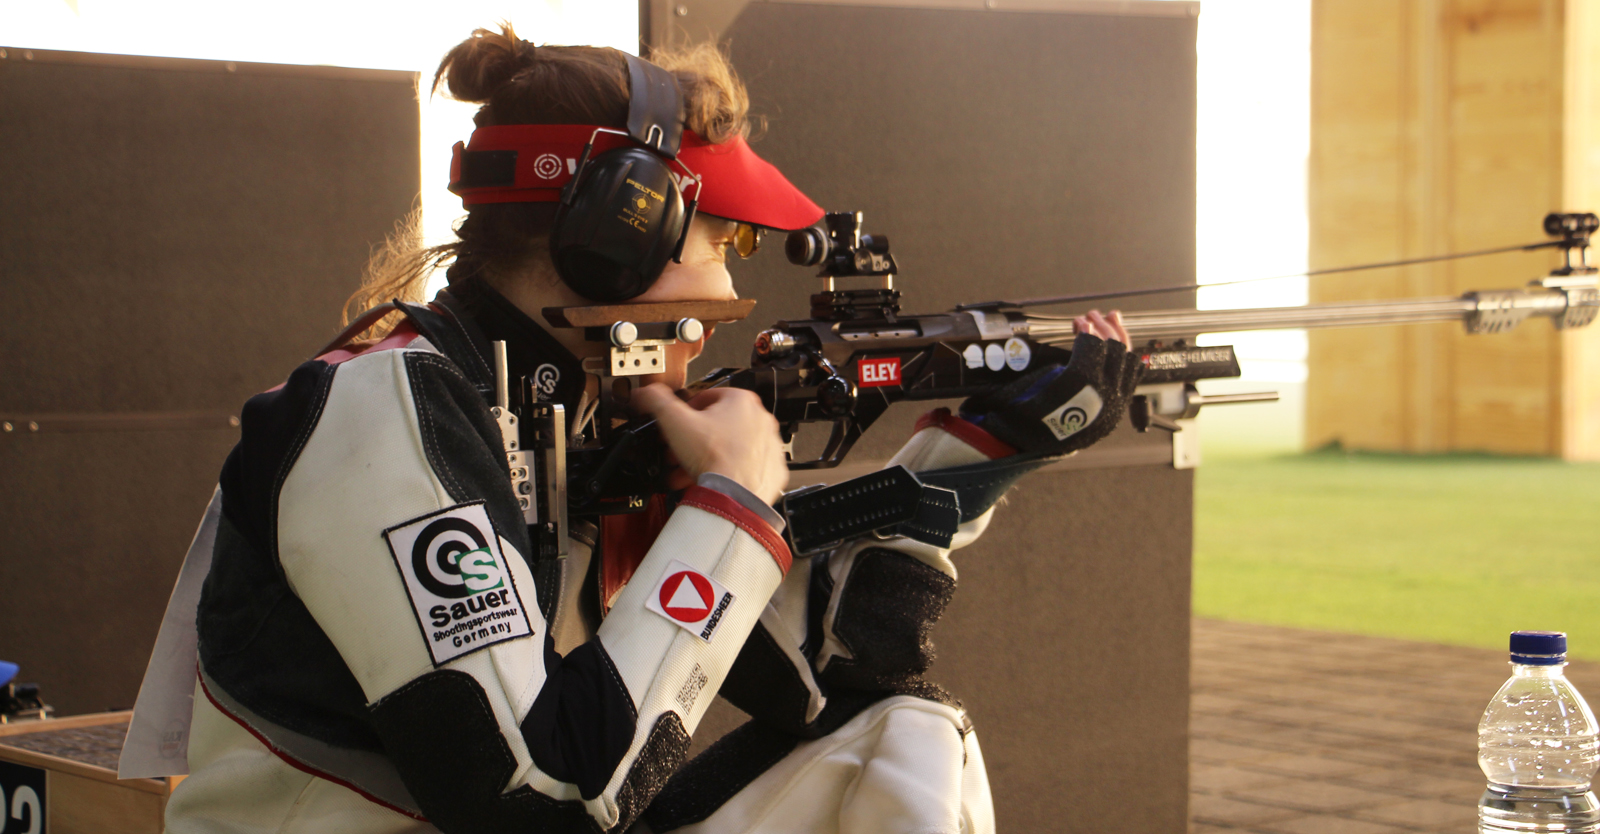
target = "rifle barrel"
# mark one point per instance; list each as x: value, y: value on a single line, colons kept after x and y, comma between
x: 1480, y: 312
x: 1169, y: 323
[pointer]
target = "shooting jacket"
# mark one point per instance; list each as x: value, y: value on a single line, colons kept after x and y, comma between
x: 379, y: 650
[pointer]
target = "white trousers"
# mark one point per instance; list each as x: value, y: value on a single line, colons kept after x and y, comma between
x: 900, y: 767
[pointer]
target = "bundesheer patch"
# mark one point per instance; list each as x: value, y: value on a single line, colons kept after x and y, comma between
x: 1074, y: 414
x: 692, y: 600
x: 459, y: 582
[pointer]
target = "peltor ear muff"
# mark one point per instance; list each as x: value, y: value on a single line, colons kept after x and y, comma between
x: 622, y: 216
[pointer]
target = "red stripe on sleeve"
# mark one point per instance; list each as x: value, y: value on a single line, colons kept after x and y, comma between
x: 718, y: 504
x: 977, y: 438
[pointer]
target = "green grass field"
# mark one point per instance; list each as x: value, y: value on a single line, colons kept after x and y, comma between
x: 1453, y: 548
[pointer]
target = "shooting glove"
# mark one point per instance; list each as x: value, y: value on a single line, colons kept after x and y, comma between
x: 1061, y: 408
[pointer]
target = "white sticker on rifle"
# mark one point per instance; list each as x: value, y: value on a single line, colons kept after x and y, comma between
x: 458, y: 580
x: 1074, y: 414
x: 973, y: 355
x: 994, y: 356
x: 1017, y: 354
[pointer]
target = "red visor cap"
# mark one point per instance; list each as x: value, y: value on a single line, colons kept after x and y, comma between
x: 738, y: 185
x: 742, y: 186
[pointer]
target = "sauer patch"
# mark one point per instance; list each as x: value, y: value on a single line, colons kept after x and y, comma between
x: 459, y: 582
x: 1074, y: 414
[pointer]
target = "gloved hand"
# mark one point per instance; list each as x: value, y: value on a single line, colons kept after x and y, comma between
x: 1061, y: 408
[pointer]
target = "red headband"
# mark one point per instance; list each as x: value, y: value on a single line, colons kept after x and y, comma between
x: 531, y: 164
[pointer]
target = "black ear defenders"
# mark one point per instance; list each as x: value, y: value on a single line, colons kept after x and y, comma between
x: 622, y: 216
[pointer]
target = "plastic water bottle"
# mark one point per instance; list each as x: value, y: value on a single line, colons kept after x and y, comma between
x: 1537, y: 744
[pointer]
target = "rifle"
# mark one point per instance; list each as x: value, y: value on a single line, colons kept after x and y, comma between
x: 858, y: 353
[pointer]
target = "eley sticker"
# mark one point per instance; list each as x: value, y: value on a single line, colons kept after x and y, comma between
x: 1074, y: 414
x: 692, y: 600
x: 876, y: 373
x: 458, y: 580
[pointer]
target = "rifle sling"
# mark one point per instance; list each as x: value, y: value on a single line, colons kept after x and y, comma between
x: 979, y: 485
x: 890, y: 502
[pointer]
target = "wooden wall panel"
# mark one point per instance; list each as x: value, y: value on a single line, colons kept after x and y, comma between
x: 1436, y: 126
x: 1503, y: 172
x: 1580, y: 349
x: 1356, y: 178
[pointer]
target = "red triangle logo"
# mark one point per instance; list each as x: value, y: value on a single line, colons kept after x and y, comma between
x: 686, y: 597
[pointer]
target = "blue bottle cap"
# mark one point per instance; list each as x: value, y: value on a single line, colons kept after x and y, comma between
x: 1538, y: 648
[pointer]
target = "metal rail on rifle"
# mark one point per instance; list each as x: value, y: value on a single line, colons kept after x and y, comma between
x: 857, y: 353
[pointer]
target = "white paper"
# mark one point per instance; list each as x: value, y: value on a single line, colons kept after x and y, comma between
x: 158, y: 736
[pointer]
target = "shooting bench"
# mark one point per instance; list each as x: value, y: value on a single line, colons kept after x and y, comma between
x: 70, y: 765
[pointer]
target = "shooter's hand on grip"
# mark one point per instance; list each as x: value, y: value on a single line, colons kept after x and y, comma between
x: 1064, y: 408
x: 723, y: 430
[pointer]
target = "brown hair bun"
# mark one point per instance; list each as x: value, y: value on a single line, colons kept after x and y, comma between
x: 518, y: 83
x: 478, y: 66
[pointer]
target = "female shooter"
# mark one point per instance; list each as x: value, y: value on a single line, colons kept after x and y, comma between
x: 383, y: 647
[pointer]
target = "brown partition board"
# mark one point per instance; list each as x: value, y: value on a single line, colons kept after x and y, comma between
x: 177, y: 236
x: 1006, y: 154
